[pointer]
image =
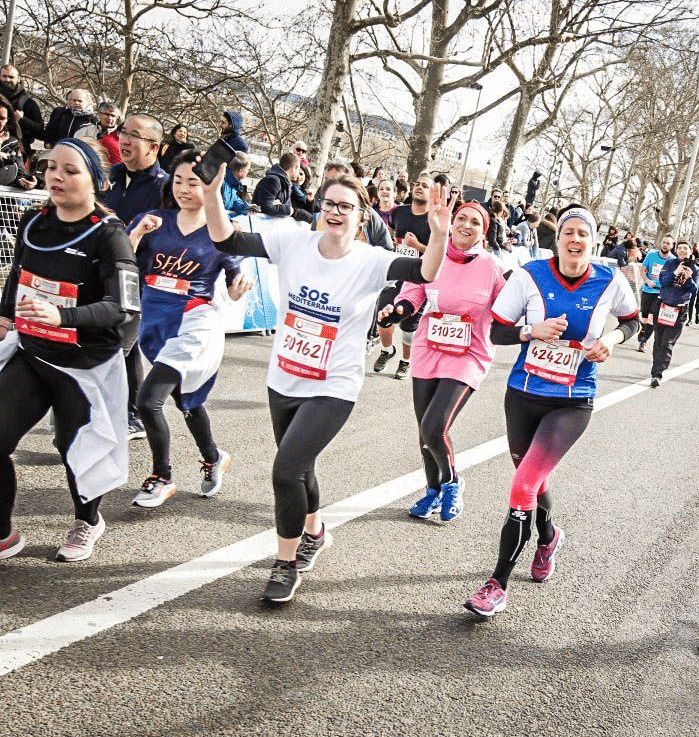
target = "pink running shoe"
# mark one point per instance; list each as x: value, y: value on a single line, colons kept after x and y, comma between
x: 488, y: 600
x: 12, y: 544
x: 545, y: 557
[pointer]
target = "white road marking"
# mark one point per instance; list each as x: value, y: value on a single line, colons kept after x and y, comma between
x: 35, y: 641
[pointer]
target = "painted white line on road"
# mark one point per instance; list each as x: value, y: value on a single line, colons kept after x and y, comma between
x: 35, y: 641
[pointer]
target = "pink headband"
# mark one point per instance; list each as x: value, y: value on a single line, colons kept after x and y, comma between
x: 480, y: 210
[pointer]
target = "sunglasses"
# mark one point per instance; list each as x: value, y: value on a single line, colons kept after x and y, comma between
x: 301, y: 150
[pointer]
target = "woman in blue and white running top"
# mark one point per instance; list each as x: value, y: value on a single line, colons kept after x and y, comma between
x: 181, y: 332
x: 565, y: 302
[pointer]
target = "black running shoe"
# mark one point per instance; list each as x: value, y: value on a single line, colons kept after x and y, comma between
x: 309, y: 549
x: 383, y: 359
x: 283, y: 583
x: 403, y: 370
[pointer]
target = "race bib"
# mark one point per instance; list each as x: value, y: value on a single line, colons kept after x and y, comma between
x: 58, y: 293
x: 404, y: 250
x: 306, y: 346
x: 168, y: 284
x: 655, y: 270
x: 556, y: 361
x: 667, y: 315
x: 449, y: 333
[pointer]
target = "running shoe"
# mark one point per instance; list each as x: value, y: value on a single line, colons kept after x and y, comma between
x: 309, y: 548
x: 430, y: 504
x: 12, y: 544
x: 545, y: 557
x: 488, y: 600
x: 283, y: 582
x: 81, y: 540
x: 383, y: 359
x: 642, y: 347
x: 154, y: 492
x: 654, y: 382
x: 452, y: 500
x: 213, y: 474
x: 136, y: 429
x: 403, y: 369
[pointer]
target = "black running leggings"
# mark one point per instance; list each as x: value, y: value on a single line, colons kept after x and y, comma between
x: 162, y: 382
x: 437, y: 403
x: 29, y: 387
x: 303, y: 428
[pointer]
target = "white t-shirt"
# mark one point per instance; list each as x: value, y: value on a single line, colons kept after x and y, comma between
x: 325, y: 310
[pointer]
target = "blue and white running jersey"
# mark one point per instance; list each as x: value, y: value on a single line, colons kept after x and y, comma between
x: 538, y: 291
x: 181, y: 264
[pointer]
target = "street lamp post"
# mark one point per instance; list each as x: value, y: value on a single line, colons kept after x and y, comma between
x: 610, y: 150
x: 478, y: 87
x: 487, y: 171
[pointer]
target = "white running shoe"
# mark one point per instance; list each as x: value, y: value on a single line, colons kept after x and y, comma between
x: 154, y: 492
x: 81, y: 540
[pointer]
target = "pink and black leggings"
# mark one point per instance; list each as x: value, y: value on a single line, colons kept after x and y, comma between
x: 540, y: 431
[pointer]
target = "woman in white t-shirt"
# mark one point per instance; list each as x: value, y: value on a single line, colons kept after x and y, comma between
x: 328, y: 284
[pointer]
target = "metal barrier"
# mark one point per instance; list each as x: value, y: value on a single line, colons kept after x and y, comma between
x: 13, y: 203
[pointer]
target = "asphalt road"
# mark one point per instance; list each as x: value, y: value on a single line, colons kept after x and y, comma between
x: 377, y: 641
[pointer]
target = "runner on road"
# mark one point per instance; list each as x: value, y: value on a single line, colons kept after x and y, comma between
x: 452, y: 351
x: 181, y: 331
x: 329, y: 283
x: 678, y: 283
x: 565, y: 302
x: 650, y: 293
x: 73, y: 283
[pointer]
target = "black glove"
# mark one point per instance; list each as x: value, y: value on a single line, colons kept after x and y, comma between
x: 302, y: 215
x: 395, y: 316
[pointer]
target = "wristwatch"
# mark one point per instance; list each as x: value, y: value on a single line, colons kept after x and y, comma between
x: 526, y: 332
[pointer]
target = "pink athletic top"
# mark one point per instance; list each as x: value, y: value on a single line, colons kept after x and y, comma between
x: 461, y: 290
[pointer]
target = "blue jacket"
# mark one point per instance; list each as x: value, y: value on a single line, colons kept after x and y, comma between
x: 231, y: 189
x: 234, y: 139
x: 143, y: 193
x: 620, y: 254
x: 673, y: 295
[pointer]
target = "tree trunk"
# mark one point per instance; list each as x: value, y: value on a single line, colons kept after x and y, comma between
x: 664, y: 216
x: 640, y: 200
x: 515, y: 139
x: 328, y: 97
x: 427, y: 104
x: 127, y: 73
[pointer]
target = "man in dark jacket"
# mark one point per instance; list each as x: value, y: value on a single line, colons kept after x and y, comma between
x: 136, y: 186
x: 27, y: 112
x: 273, y: 191
x: 231, y: 127
x: 65, y: 121
x: 137, y: 183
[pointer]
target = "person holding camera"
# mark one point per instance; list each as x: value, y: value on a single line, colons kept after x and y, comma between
x: 678, y: 282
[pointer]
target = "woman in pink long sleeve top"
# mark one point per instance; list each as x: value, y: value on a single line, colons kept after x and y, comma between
x: 452, y: 351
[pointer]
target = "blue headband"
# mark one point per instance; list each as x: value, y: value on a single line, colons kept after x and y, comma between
x: 94, y: 165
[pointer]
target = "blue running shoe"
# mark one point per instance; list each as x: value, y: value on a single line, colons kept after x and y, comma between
x: 452, y: 500
x: 428, y: 505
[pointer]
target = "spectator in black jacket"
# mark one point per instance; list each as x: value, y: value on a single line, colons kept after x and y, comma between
x: 27, y: 112
x: 273, y: 191
x: 231, y: 127
x: 65, y: 121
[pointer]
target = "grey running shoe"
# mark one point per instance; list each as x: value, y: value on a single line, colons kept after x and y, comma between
x: 136, y: 429
x: 383, y: 359
x: 154, y: 492
x: 81, y: 540
x: 403, y: 370
x: 309, y: 549
x: 283, y: 582
x: 213, y: 474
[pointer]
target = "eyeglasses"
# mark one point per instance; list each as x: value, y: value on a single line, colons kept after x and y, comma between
x: 301, y: 150
x: 134, y: 136
x: 344, y: 208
